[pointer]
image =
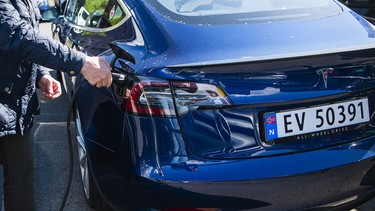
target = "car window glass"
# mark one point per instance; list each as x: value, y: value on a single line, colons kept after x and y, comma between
x: 95, y: 14
x: 207, y: 7
x: 249, y: 11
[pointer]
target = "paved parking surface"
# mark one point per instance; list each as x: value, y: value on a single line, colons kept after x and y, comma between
x: 52, y: 159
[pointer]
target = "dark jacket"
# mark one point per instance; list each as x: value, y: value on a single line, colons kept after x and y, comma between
x: 22, y: 50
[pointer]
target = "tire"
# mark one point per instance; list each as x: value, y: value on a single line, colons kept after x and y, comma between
x: 91, y: 192
x: 94, y: 199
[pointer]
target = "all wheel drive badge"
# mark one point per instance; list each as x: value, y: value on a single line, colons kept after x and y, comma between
x: 325, y: 72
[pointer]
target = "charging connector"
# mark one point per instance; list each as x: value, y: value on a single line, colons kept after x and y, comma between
x: 119, y: 79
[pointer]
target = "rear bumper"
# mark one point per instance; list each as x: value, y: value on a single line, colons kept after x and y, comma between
x: 322, y: 189
x: 345, y: 186
x: 327, y: 178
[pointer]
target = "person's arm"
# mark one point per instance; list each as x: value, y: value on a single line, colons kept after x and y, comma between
x: 19, y: 39
x: 41, y: 71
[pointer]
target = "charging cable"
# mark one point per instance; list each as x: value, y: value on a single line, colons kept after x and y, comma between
x: 118, y: 79
x: 70, y: 144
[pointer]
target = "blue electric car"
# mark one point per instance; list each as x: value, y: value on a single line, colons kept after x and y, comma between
x: 224, y: 105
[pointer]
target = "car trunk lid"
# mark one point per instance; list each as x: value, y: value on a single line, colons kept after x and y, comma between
x: 259, y: 90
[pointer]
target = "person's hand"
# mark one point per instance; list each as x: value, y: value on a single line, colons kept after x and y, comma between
x: 97, y: 71
x: 50, y: 87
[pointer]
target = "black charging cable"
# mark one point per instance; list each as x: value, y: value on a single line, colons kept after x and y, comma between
x: 70, y: 143
x: 118, y: 79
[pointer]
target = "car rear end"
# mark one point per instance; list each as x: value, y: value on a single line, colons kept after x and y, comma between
x: 257, y: 123
x: 281, y: 134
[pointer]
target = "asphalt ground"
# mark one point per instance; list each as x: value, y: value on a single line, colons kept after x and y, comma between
x: 52, y: 158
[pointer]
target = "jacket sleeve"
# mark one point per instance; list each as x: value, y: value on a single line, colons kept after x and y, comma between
x: 19, y: 39
x: 41, y: 71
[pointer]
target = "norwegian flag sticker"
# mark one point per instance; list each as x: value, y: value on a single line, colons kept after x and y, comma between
x: 271, y: 119
x: 270, y: 126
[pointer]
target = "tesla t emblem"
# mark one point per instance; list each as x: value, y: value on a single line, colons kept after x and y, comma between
x: 325, y: 72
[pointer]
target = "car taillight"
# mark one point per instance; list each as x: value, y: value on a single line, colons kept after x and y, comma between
x: 191, y: 96
x: 154, y: 97
x: 151, y: 98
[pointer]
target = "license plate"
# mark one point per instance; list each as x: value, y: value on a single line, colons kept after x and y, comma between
x: 306, y: 122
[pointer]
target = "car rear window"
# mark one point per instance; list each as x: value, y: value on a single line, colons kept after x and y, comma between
x: 240, y: 11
